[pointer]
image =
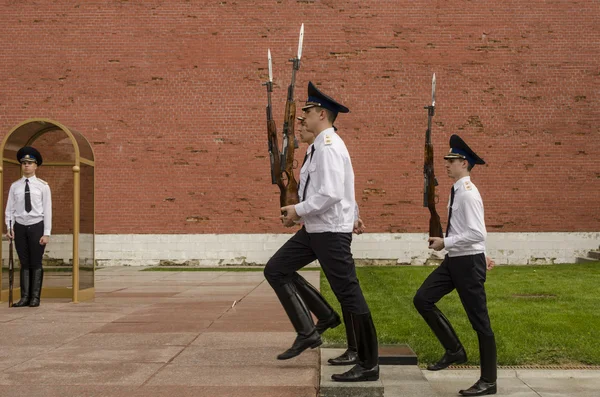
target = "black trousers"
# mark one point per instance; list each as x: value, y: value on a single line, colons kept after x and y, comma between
x: 27, y: 244
x: 335, y: 256
x: 467, y: 274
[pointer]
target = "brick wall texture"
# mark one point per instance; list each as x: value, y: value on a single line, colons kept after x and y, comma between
x: 169, y: 94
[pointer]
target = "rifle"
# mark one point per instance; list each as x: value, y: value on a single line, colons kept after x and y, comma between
x: 435, y: 226
x: 272, y: 131
x: 282, y: 164
x: 11, y: 269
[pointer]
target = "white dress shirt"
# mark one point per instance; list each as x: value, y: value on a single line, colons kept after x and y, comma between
x: 329, y: 205
x: 466, y: 234
x: 304, y: 171
x: 41, y: 204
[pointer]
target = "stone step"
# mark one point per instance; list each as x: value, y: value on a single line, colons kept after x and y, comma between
x: 397, y: 355
x: 329, y: 388
x: 594, y: 254
x: 581, y: 259
x: 395, y: 380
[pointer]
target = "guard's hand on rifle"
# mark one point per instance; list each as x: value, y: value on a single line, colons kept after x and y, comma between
x: 489, y: 263
x: 359, y: 227
x: 289, y: 216
x: 44, y: 240
x: 10, y: 234
x: 436, y: 243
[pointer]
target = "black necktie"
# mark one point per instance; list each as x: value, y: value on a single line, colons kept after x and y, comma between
x: 27, y: 196
x: 450, y: 210
x: 305, y: 158
x: 312, y: 151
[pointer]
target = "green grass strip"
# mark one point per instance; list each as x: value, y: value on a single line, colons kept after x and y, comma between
x: 540, y: 314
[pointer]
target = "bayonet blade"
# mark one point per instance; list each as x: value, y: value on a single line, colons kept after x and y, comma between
x: 270, y: 66
x: 300, y: 42
x: 433, y: 91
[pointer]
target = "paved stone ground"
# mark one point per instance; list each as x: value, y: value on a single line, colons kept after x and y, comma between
x: 156, y: 334
x: 178, y: 334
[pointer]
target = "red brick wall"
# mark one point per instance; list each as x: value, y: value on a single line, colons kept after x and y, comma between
x: 170, y: 95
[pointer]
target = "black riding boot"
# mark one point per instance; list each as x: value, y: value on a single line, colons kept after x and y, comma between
x: 455, y: 353
x: 308, y: 337
x: 366, y: 341
x: 25, y: 294
x: 350, y: 356
x: 36, y: 286
x: 327, y: 317
x: 487, y: 356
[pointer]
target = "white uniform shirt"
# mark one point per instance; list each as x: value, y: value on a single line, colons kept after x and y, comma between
x: 304, y: 171
x: 329, y: 205
x: 467, y: 233
x: 41, y: 204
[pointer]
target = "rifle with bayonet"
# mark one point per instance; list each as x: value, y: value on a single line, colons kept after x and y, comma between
x: 429, y: 197
x: 11, y: 268
x: 272, y: 131
x: 282, y: 164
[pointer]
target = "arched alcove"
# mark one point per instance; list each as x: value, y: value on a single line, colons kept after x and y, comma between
x: 68, y: 167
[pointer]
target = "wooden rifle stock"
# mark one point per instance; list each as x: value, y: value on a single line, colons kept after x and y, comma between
x: 289, y: 192
x: 282, y: 164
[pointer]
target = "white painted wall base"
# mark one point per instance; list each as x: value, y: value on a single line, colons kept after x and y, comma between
x: 249, y: 249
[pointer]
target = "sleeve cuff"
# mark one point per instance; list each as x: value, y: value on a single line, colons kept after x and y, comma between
x: 300, y: 210
x: 46, y: 232
x: 448, y: 242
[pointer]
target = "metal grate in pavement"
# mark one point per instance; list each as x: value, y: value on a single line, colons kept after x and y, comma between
x: 560, y: 367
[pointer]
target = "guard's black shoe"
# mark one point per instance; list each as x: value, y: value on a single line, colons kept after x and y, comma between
x: 459, y: 357
x: 358, y: 374
x: 324, y: 325
x: 480, y: 388
x: 22, y: 302
x: 300, y: 344
x: 349, y: 357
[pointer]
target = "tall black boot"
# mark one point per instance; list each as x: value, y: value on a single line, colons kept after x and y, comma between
x: 368, y: 351
x: 441, y: 327
x: 25, y: 294
x: 36, y: 286
x: 308, y: 337
x: 350, y: 356
x: 316, y: 303
x: 487, y: 356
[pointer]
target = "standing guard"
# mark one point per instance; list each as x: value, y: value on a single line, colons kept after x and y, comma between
x: 29, y: 209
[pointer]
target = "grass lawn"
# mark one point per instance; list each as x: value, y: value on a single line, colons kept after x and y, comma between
x: 540, y: 314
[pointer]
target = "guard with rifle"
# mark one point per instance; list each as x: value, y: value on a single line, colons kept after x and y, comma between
x: 464, y: 269
x: 29, y: 209
x: 281, y: 167
x: 297, y: 294
x: 329, y: 215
